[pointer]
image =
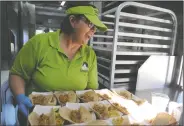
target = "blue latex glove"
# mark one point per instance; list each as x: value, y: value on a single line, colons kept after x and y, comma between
x: 24, y: 103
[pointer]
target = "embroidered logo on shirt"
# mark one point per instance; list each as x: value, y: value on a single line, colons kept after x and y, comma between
x: 84, y: 67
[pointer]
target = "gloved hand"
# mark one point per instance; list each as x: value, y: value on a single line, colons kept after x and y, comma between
x: 24, y: 103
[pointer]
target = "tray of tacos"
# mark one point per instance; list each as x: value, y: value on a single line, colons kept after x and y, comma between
x: 76, y: 113
x: 43, y: 98
x: 45, y: 115
x: 105, y: 94
x: 126, y: 120
x: 104, y: 110
x: 127, y: 107
x: 88, y: 96
x: 128, y: 95
x: 119, y: 107
x: 122, y: 120
x: 66, y: 96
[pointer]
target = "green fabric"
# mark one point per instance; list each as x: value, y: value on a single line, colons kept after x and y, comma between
x: 90, y: 13
x: 45, y: 67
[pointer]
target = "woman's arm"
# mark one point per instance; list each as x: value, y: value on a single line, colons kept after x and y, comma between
x: 17, y: 84
x: 21, y: 72
x: 23, y: 67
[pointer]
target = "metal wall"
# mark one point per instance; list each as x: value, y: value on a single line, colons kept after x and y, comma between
x: 5, y: 42
x: 18, y: 25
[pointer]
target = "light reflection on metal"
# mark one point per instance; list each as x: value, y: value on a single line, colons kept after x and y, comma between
x: 62, y: 3
x: 153, y: 73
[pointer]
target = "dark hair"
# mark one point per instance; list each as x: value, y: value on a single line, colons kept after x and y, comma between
x: 66, y: 27
x: 65, y: 24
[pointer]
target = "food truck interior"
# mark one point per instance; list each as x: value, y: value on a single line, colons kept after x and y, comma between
x: 141, y: 51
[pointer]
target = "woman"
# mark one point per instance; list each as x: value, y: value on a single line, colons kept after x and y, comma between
x: 58, y: 60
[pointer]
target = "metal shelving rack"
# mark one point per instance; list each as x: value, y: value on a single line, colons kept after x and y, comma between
x: 130, y: 39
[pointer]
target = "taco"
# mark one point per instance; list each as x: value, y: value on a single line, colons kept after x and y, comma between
x: 120, y: 108
x: 81, y: 115
x: 138, y: 102
x: 123, y: 120
x: 104, y: 111
x: 104, y: 96
x: 113, y: 112
x: 126, y: 94
x: 89, y: 96
x: 163, y: 118
x: 117, y: 121
x: 64, y: 97
x: 59, y: 120
x: 43, y: 119
x: 39, y: 99
x: 101, y: 110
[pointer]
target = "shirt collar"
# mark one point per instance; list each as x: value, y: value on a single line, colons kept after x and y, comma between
x: 54, y: 39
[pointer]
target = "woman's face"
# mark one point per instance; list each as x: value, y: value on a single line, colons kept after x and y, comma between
x: 84, y: 30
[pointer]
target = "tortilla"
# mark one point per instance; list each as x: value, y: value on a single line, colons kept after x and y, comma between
x: 139, y: 102
x: 123, y: 120
x: 59, y: 120
x: 104, y: 111
x: 163, y: 119
x: 33, y: 118
x: 118, y: 121
x: 120, y: 108
x: 81, y: 115
x: 97, y: 123
x: 101, y: 110
x: 43, y: 119
x: 64, y: 97
x: 113, y: 112
x: 126, y: 94
x: 89, y: 96
x: 39, y: 99
x: 104, y: 96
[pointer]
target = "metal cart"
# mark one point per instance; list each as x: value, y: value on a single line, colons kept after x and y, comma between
x: 131, y: 38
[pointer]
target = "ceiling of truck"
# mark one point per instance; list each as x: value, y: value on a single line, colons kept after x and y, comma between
x: 50, y: 13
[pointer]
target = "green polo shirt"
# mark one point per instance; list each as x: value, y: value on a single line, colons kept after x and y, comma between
x: 45, y: 67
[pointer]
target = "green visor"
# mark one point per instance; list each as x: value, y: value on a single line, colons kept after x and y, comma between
x: 90, y: 13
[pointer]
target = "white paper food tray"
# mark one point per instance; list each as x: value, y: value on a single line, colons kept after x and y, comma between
x: 74, y: 106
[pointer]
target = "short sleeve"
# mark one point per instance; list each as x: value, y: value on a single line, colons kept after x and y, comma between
x: 26, y: 60
x: 93, y: 75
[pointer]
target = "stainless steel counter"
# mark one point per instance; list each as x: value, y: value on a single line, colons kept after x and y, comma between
x: 174, y: 93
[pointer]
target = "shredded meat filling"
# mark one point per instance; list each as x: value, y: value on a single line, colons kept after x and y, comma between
x: 75, y: 116
x: 63, y: 98
x: 118, y: 121
x: 43, y: 120
x: 40, y: 99
x: 121, y: 108
x: 89, y: 96
x: 101, y: 109
x: 126, y: 94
